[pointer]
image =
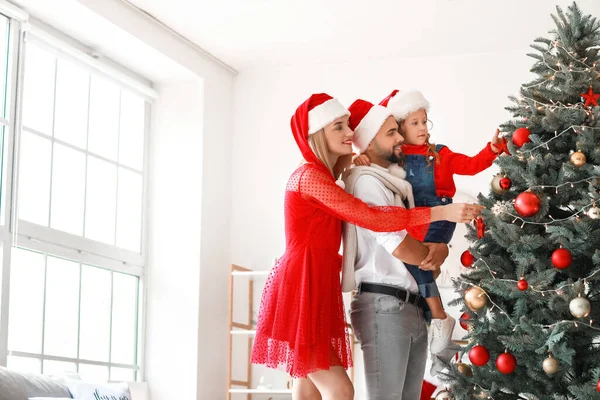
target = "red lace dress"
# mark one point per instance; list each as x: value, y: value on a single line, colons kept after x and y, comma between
x: 301, y: 322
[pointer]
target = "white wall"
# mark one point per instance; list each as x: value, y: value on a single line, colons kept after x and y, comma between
x: 173, y: 275
x: 468, y: 95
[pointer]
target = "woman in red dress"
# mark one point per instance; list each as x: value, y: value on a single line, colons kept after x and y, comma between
x: 301, y: 322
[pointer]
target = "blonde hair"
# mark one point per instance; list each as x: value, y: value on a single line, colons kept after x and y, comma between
x: 318, y: 145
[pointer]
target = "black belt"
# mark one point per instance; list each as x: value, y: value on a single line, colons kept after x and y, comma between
x: 400, y: 294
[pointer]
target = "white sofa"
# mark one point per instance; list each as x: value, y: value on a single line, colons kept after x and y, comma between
x: 21, y: 386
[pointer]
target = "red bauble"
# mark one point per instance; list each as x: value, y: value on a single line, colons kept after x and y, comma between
x: 506, y: 363
x: 464, y: 317
x: 505, y: 183
x: 479, y: 355
x: 522, y: 284
x: 598, y: 385
x: 521, y: 136
x: 562, y: 258
x: 527, y: 204
x: 466, y: 258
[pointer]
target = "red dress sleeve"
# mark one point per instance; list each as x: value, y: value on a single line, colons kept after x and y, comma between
x: 317, y: 185
x: 464, y: 165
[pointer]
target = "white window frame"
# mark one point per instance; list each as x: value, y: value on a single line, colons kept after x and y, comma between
x: 43, y: 239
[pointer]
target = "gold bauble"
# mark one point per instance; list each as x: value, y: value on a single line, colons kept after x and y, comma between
x: 594, y: 212
x: 580, y: 307
x: 578, y: 159
x: 475, y: 298
x: 551, y: 365
x: 444, y: 395
x: 496, y: 188
x: 464, y: 369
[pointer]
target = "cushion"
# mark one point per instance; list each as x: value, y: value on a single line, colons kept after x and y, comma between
x: 21, y: 386
x: 99, y: 391
x: 50, y: 398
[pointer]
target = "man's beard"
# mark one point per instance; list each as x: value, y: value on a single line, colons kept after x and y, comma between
x: 396, y: 159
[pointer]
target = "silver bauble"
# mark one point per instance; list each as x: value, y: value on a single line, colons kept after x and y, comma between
x: 580, y: 307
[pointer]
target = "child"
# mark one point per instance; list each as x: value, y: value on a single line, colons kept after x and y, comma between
x: 429, y: 169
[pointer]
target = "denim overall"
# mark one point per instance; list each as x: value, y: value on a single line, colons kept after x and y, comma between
x: 420, y: 176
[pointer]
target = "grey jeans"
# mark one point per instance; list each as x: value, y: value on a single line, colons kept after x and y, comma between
x: 393, y: 338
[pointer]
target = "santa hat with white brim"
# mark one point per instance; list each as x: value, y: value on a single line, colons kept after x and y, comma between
x: 402, y: 103
x: 366, y: 120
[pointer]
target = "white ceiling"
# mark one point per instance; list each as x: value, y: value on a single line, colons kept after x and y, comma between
x: 95, y: 32
x: 258, y: 33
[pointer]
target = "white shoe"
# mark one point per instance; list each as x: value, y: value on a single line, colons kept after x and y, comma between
x: 440, y: 361
x: 440, y: 333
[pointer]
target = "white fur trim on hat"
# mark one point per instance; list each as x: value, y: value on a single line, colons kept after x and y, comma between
x: 369, y: 126
x: 406, y: 102
x: 324, y: 114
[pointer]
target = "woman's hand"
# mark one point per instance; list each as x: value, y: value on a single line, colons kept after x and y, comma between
x: 457, y: 212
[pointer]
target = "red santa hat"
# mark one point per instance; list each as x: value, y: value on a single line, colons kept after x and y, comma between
x: 323, y: 110
x: 312, y: 115
x: 366, y: 119
x: 402, y: 103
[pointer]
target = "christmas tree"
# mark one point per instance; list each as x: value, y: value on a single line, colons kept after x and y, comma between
x: 531, y: 292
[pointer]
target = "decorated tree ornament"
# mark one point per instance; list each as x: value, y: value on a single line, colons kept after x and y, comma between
x: 505, y: 183
x: 480, y: 225
x: 527, y: 204
x: 590, y: 98
x: 464, y: 317
x: 578, y: 159
x: 464, y: 369
x: 503, y: 147
x: 521, y: 136
x: 444, y: 395
x: 598, y: 385
x: 497, y: 184
x: 580, y: 307
x: 506, y: 363
x: 479, y: 355
x: 594, y: 212
x: 550, y: 365
x: 475, y: 298
x: 562, y: 258
x: 522, y: 285
x: 467, y: 259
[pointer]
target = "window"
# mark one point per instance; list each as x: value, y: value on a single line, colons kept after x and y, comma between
x: 72, y: 232
x: 82, y: 155
x: 67, y: 316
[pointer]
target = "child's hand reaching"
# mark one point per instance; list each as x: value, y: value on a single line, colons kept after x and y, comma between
x: 496, y: 140
x: 362, y: 161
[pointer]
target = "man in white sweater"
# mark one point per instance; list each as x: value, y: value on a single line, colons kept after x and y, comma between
x: 387, y: 312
